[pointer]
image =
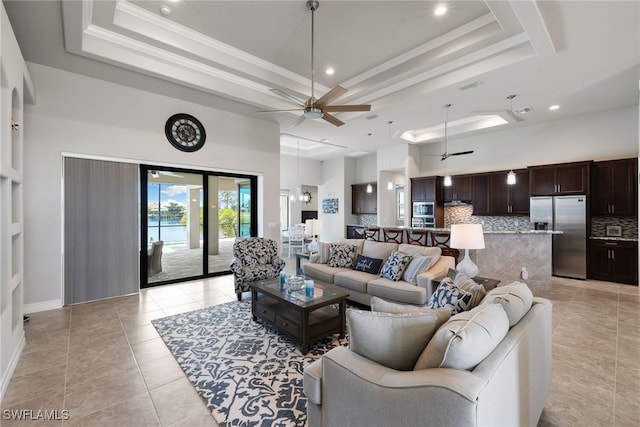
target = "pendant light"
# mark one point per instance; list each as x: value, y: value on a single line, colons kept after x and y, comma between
x: 390, y: 182
x: 369, y: 186
x: 511, y: 177
x: 447, y: 177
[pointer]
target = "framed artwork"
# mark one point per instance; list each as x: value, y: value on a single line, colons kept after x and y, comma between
x: 613, y: 231
x: 330, y: 206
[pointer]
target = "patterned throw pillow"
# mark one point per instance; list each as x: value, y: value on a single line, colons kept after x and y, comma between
x: 395, y: 265
x: 367, y: 264
x: 341, y: 255
x: 418, y: 264
x: 467, y: 284
x: 449, y: 295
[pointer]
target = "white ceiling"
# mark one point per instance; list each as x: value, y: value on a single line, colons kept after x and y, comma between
x: 395, y: 55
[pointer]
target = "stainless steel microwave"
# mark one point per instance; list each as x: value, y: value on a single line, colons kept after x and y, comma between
x: 423, y: 209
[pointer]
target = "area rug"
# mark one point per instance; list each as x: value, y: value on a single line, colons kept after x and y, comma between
x: 246, y: 371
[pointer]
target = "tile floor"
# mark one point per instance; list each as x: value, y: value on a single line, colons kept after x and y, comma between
x: 106, y: 365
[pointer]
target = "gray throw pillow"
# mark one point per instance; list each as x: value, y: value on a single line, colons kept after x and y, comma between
x: 467, y: 284
x: 419, y: 264
x: 392, y: 340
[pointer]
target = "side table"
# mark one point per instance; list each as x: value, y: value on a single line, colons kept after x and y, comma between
x: 299, y: 256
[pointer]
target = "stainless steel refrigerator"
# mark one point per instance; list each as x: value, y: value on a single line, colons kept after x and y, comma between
x: 569, y: 215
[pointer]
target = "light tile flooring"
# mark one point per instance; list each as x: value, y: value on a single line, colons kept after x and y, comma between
x: 106, y: 365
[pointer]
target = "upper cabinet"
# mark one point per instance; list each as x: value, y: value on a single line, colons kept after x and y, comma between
x: 363, y: 202
x: 505, y: 199
x: 459, y: 190
x: 560, y: 179
x: 613, y: 188
x: 425, y: 189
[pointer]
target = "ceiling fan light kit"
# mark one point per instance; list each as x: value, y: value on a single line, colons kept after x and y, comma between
x: 317, y: 108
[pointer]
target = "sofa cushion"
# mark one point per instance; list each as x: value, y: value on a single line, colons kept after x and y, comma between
x: 380, y: 250
x: 384, y: 306
x: 433, y: 251
x: 397, y: 291
x: 449, y: 295
x: 516, y: 299
x: 467, y: 284
x: 367, y: 264
x: 418, y: 264
x: 341, y: 255
x: 354, y: 280
x: 392, y: 340
x: 466, y: 339
x: 395, y: 265
x: 322, y: 272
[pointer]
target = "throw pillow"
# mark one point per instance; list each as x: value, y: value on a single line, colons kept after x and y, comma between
x: 516, y: 299
x: 367, y: 264
x: 466, y: 339
x: 383, y: 306
x: 395, y: 265
x: 419, y: 264
x: 341, y: 255
x: 467, y: 284
x: 392, y: 340
x: 449, y: 295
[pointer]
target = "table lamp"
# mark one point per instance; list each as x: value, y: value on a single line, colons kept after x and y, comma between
x: 467, y: 236
x: 313, y: 228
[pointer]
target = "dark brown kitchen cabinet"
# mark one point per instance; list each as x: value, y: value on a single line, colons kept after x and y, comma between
x: 613, y: 188
x: 425, y: 189
x: 363, y: 202
x: 613, y: 261
x: 459, y: 190
x: 560, y: 179
x: 505, y: 199
x: 480, y: 194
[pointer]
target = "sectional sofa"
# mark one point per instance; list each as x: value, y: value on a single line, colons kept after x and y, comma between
x: 362, y: 285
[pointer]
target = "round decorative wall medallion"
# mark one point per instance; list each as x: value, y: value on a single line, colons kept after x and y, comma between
x: 185, y: 132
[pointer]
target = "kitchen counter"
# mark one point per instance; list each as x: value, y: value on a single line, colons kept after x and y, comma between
x: 619, y: 239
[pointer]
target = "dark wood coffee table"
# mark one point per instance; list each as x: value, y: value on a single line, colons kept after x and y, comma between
x: 304, y: 319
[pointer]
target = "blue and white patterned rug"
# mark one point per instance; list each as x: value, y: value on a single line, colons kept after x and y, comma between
x: 247, y: 372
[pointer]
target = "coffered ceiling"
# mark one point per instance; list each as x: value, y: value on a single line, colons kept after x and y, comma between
x: 395, y: 55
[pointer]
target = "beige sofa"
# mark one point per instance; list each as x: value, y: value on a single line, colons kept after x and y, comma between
x: 362, y: 286
x: 508, y: 387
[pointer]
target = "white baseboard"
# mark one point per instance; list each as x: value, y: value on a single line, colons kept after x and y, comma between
x: 8, y: 373
x: 42, y: 306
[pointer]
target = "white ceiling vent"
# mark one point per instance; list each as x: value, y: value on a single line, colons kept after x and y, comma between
x: 471, y: 85
x: 371, y: 117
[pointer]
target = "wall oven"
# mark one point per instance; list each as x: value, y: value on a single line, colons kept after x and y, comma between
x: 423, y: 222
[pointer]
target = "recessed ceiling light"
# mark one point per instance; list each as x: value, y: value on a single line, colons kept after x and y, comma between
x: 554, y: 107
x: 165, y: 10
x: 330, y: 71
x: 440, y: 10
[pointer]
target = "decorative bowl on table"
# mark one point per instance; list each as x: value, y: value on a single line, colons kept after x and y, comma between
x: 295, y: 283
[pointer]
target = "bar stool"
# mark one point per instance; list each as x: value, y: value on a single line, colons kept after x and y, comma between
x: 372, y: 233
x: 416, y: 236
x: 442, y: 240
x: 393, y: 235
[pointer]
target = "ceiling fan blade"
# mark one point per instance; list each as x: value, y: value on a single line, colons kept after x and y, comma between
x: 279, y: 111
x: 297, y: 122
x: 336, y: 108
x: 460, y: 153
x: 330, y: 96
x: 291, y: 98
x: 332, y: 119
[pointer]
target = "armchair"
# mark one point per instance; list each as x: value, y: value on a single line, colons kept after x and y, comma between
x: 255, y: 258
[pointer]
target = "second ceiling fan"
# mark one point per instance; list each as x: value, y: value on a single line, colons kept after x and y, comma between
x: 314, y: 108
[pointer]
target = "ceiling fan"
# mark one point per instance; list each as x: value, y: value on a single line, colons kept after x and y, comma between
x: 314, y: 108
x: 446, y: 153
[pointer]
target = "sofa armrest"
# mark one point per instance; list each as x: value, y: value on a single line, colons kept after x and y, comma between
x: 437, y: 272
x: 353, y: 387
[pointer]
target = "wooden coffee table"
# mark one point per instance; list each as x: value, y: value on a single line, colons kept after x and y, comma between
x: 304, y: 319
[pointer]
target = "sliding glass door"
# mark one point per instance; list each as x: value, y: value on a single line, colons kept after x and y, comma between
x: 190, y: 220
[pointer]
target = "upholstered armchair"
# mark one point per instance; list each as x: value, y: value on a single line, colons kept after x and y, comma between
x: 255, y: 258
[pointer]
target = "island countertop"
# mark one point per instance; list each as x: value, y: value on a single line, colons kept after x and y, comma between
x: 448, y: 230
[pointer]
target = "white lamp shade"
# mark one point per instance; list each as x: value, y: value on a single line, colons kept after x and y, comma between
x: 467, y: 236
x: 313, y: 227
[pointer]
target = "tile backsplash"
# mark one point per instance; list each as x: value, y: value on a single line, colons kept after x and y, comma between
x: 629, y: 226
x: 464, y: 214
